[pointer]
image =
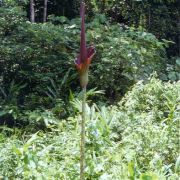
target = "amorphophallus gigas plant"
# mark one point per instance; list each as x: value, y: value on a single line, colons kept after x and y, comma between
x: 82, y: 63
x: 86, y: 53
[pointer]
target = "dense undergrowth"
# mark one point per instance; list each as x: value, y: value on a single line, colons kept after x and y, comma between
x: 132, y: 130
x: 136, y: 139
x: 33, y: 55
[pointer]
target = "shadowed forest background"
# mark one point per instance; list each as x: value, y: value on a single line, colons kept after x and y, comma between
x: 133, y: 92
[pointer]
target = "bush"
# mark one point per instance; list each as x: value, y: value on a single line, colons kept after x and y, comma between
x: 147, y: 125
x: 173, y: 69
x: 123, y: 57
x: 35, y: 54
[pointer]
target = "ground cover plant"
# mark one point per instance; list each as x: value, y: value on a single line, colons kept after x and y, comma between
x: 137, y: 139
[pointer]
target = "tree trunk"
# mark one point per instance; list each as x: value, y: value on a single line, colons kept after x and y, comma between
x: 179, y: 36
x: 149, y: 19
x: 32, y: 12
x: 45, y: 11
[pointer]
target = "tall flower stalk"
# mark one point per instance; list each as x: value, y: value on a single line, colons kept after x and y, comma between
x: 82, y: 145
x: 82, y: 64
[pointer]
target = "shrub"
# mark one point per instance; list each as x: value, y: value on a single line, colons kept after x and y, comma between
x: 35, y: 54
x: 147, y: 125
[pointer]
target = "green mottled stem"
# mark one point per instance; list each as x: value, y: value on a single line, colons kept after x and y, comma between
x: 82, y: 145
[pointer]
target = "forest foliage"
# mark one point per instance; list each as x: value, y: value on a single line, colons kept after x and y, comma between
x: 133, y: 116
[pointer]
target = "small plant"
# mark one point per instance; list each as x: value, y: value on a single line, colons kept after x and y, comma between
x: 10, y: 94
